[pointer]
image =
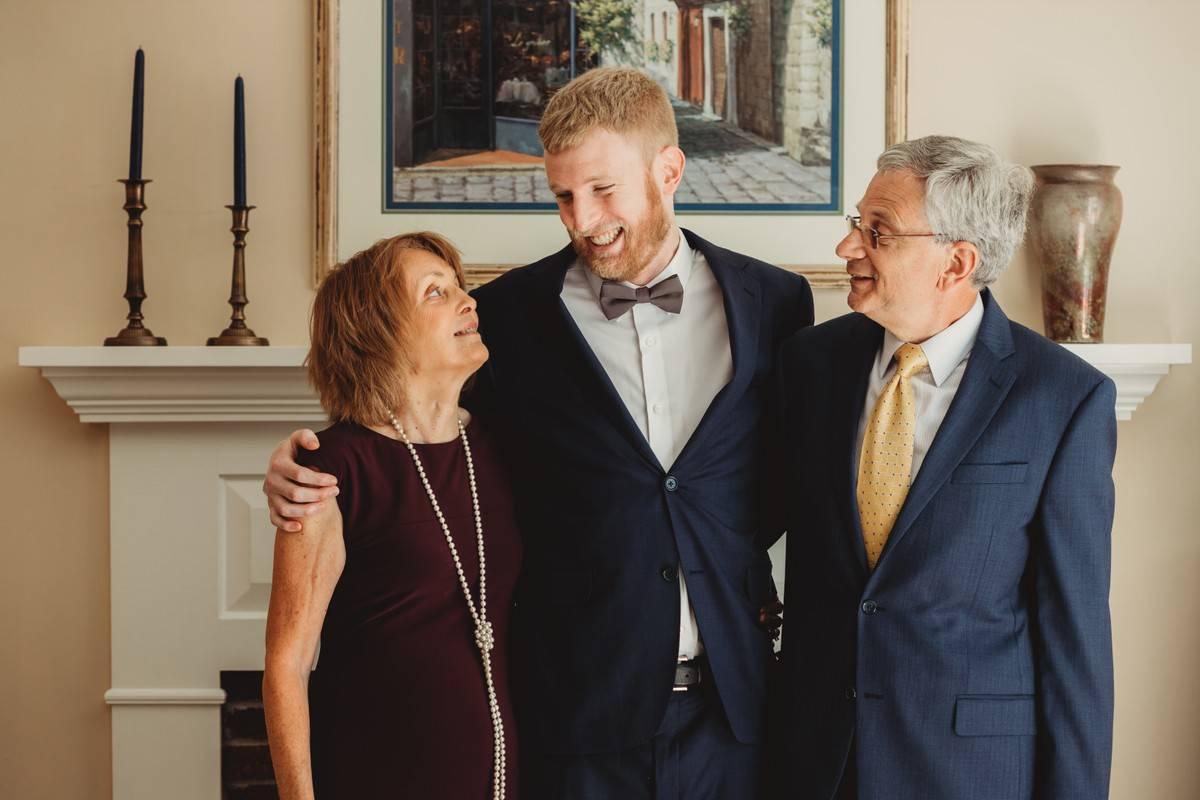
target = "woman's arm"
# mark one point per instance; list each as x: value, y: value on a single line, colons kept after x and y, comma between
x: 307, y: 567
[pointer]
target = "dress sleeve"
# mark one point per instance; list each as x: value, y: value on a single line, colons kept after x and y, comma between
x: 334, y: 457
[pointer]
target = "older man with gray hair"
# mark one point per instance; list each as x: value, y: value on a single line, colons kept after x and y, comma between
x: 949, y: 505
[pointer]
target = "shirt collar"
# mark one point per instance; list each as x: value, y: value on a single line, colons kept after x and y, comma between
x: 680, y: 264
x: 944, y: 350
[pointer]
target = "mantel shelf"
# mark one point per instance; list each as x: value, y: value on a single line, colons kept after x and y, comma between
x: 180, y: 384
x: 1135, y: 368
x: 258, y: 384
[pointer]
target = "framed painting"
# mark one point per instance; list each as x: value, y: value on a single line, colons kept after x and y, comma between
x: 426, y: 117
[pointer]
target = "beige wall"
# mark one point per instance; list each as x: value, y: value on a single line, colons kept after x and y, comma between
x: 65, y: 74
x: 1065, y: 81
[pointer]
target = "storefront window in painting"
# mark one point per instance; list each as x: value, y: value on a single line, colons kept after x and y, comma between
x: 754, y: 83
x: 532, y: 44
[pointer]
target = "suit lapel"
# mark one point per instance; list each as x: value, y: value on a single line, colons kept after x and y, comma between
x: 575, y: 357
x: 853, y: 363
x: 985, y: 383
x: 741, y: 294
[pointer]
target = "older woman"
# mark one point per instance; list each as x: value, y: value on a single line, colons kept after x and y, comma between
x: 406, y: 582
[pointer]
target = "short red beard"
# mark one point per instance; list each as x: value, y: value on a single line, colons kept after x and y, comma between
x: 642, y: 240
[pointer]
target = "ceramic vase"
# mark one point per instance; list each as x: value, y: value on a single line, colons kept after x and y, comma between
x: 1073, y: 222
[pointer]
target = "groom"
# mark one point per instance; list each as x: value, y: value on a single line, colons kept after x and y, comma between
x: 627, y: 385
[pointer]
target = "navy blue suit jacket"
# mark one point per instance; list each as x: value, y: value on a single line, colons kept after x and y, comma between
x: 605, y: 526
x: 975, y: 661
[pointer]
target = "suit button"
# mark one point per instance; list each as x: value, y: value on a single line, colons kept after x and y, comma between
x: 850, y: 693
x: 670, y: 484
x: 869, y: 607
x: 668, y: 574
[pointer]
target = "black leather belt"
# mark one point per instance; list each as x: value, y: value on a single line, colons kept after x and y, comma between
x: 688, y: 675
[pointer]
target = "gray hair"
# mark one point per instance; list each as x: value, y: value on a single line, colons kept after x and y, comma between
x: 971, y: 195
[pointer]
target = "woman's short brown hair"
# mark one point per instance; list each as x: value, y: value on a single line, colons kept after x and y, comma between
x: 357, y: 331
x: 620, y: 99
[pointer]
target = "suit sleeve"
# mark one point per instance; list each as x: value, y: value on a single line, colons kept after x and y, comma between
x: 804, y: 311
x: 773, y: 487
x: 1072, y: 554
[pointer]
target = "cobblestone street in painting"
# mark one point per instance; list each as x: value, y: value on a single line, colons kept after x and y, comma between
x: 725, y: 165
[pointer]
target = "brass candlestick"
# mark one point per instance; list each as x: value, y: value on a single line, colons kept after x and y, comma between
x: 237, y: 333
x: 135, y: 333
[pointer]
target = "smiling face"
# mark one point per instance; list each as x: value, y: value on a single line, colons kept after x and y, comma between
x: 441, y: 327
x: 902, y: 284
x: 616, y: 204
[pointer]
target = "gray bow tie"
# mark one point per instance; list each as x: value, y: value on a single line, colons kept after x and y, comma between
x: 617, y: 298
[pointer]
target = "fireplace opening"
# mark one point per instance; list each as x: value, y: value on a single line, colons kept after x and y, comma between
x: 246, y: 772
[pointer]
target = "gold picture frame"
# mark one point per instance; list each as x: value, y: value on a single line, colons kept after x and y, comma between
x: 326, y: 19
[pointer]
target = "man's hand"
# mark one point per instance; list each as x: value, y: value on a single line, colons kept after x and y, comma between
x: 770, y: 619
x: 294, y: 492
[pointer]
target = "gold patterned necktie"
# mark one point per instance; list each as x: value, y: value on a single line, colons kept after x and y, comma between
x: 885, y: 464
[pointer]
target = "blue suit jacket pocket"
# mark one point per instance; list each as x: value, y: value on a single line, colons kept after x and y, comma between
x: 995, y: 715
x: 990, y: 473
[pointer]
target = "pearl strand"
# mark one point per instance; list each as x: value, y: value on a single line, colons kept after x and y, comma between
x: 484, y: 633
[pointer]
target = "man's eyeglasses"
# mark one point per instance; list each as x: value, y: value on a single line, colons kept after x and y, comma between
x: 872, y: 236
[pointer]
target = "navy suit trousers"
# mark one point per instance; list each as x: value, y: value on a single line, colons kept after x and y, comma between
x: 693, y: 756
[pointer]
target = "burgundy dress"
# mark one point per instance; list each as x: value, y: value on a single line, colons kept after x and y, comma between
x: 398, y: 702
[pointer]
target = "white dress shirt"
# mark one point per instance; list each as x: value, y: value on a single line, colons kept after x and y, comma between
x: 933, y: 388
x: 667, y: 368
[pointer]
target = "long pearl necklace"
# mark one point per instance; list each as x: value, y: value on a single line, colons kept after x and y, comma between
x: 484, y: 635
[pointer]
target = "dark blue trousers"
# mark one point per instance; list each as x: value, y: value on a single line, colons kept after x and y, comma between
x: 693, y: 756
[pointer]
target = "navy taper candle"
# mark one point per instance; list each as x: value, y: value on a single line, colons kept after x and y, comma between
x: 135, y: 125
x: 239, y: 142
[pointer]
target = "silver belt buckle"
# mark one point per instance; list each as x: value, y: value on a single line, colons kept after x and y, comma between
x: 688, y: 686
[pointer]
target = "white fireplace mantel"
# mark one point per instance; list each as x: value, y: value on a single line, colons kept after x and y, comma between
x: 269, y: 384
x: 1136, y: 369
x: 180, y: 384
x: 191, y: 543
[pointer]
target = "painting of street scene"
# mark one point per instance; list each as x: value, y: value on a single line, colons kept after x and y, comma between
x: 754, y: 85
